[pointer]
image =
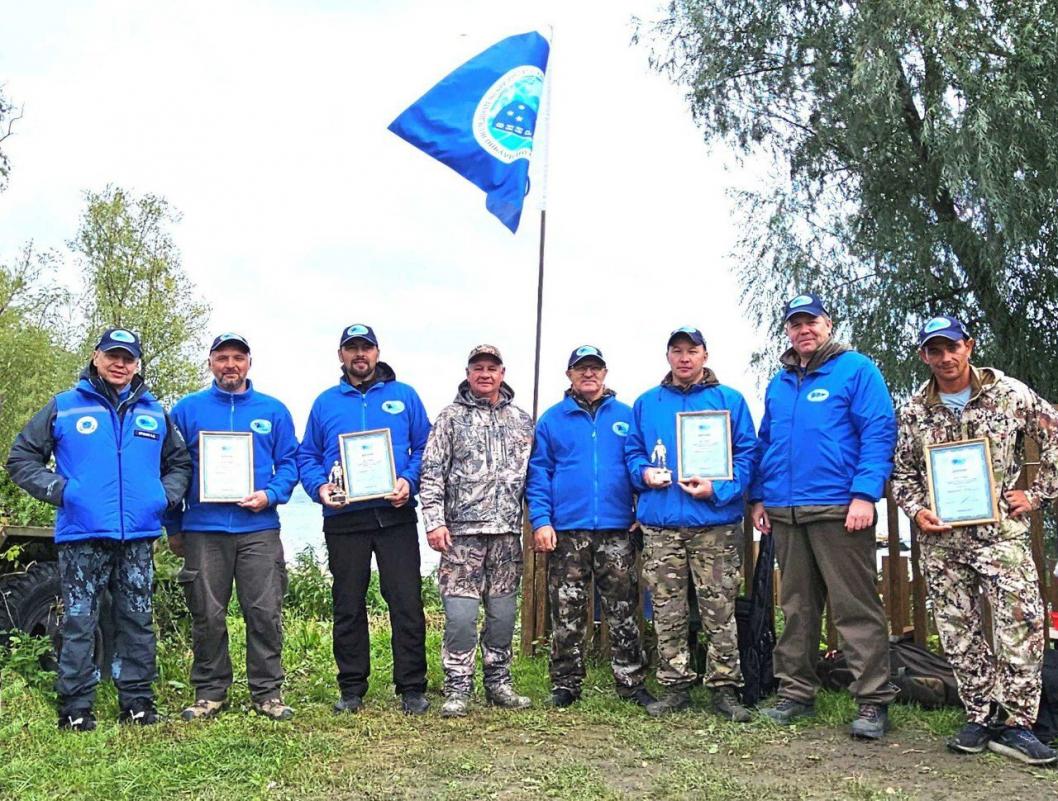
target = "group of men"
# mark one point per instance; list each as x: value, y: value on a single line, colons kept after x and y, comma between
x: 593, y: 473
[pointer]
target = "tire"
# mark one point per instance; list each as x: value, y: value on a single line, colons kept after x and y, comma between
x: 31, y: 601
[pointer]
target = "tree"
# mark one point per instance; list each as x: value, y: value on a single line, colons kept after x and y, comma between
x: 917, y: 170
x: 8, y: 117
x: 133, y: 278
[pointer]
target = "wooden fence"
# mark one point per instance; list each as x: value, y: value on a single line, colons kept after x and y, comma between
x: 902, y: 589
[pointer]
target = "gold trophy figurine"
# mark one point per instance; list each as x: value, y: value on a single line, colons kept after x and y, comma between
x: 337, y: 477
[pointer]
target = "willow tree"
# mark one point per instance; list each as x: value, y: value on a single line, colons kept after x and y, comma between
x: 915, y: 146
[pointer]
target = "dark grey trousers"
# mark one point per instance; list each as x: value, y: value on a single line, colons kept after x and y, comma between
x: 254, y: 561
x: 818, y: 558
x: 87, y: 569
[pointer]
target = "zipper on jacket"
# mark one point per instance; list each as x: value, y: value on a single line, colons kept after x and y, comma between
x: 231, y: 427
x: 595, y: 471
x: 120, y: 429
x: 790, y: 446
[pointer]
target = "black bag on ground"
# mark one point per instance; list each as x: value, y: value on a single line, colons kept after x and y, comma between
x: 755, y: 618
x: 1046, y: 727
x: 920, y: 676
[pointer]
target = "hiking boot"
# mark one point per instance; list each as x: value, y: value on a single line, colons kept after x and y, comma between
x: 80, y: 719
x: 455, y: 706
x: 504, y: 696
x: 348, y: 703
x: 561, y: 697
x: 672, y: 701
x: 972, y: 739
x: 871, y: 722
x: 727, y: 704
x: 1021, y: 743
x: 787, y: 710
x: 203, y: 709
x: 641, y: 697
x: 414, y: 702
x: 140, y: 712
x: 273, y: 708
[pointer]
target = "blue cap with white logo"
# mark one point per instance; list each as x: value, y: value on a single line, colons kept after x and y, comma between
x: 807, y: 303
x: 585, y: 352
x: 942, y: 326
x: 692, y: 333
x: 229, y: 337
x: 358, y: 331
x: 114, y: 338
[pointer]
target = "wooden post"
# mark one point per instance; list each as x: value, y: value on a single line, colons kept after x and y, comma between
x: 1039, y: 555
x: 918, y: 590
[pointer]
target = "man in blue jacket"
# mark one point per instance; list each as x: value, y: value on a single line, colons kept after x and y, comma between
x: 825, y: 453
x: 367, y: 397
x: 236, y: 541
x: 581, y: 509
x: 119, y: 465
x: 692, y: 527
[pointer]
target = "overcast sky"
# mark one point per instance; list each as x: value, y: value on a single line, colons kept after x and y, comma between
x: 264, y: 124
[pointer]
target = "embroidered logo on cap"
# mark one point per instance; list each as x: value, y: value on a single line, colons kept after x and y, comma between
x: 587, y: 350
x: 800, y: 300
x: 936, y: 324
x: 356, y: 330
x: 121, y: 335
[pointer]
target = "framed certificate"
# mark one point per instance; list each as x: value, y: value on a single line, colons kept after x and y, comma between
x: 225, y: 466
x: 961, y: 487
x: 703, y: 445
x: 367, y: 464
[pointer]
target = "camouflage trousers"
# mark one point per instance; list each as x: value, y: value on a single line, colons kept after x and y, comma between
x: 86, y: 570
x: 712, y: 559
x: 610, y: 559
x: 479, y: 568
x: 1011, y: 673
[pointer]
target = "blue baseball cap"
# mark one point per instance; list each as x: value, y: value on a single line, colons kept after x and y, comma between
x: 585, y: 352
x: 114, y: 338
x: 942, y: 326
x: 358, y: 331
x: 806, y: 303
x: 692, y: 333
x: 229, y: 337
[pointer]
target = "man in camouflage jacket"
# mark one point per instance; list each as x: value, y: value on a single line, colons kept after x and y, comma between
x: 473, y: 479
x: 962, y: 402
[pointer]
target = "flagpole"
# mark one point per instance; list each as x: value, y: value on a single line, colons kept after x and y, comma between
x: 544, y: 126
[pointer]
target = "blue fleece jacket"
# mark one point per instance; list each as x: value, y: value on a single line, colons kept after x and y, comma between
x: 654, y: 418
x: 577, y: 476
x: 274, y: 448
x: 827, y: 436
x: 344, y: 409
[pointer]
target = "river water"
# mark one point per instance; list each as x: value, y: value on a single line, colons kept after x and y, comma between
x: 302, y: 526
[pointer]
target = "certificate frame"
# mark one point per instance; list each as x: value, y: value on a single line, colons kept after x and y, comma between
x: 377, y: 437
x: 244, y: 439
x: 982, y: 446
x: 682, y: 418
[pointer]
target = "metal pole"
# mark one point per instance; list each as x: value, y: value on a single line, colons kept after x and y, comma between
x: 539, y: 316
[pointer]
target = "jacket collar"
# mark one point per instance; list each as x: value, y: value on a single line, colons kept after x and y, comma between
x: 232, y: 397
x: 830, y: 349
x: 383, y: 374
x: 573, y: 402
x: 982, y: 379
x: 465, y: 397
x: 708, y: 379
x: 94, y: 383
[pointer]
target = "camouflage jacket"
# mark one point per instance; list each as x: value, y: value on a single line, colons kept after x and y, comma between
x: 1000, y: 408
x: 474, y: 466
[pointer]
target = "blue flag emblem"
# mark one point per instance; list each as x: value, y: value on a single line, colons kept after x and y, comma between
x: 480, y: 120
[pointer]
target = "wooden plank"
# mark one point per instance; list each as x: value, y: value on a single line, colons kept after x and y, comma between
x: 540, y: 634
x: 528, y: 590
x: 918, y: 590
x: 1039, y: 553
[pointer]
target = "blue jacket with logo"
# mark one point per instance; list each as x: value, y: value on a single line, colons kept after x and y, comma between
x: 828, y: 432
x: 577, y: 476
x: 119, y: 463
x: 654, y: 418
x: 344, y: 409
x: 274, y: 464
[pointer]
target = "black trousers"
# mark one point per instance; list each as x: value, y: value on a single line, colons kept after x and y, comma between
x: 396, y: 549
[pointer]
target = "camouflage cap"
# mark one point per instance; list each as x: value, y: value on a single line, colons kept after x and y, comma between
x: 485, y: 350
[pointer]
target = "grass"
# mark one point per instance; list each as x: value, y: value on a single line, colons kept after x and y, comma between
x: 598, y: 750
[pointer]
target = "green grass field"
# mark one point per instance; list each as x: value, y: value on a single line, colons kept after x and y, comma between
x: 602, y: 748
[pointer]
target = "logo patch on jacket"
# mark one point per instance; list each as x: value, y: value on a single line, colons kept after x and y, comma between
x: 146, y: 422
x: 393, y: 406
x: 817, y: 395
x: 86, y: 425
x: 145, y: 434
x: 261, y: 426
x: 620, y: 428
